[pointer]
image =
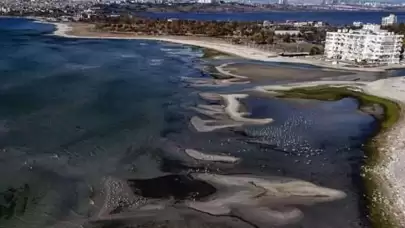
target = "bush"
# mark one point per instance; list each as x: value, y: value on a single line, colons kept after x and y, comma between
x: 315, y: 51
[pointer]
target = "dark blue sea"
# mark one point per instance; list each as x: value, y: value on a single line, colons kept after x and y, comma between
x: 77, y: 113
x: 335, y: 18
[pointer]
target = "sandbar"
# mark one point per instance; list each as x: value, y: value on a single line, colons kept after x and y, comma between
x: 258, y: 72
x: 210, y: 157
x: 233, y: 106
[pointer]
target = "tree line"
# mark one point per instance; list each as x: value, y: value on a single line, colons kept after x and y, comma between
x: 238, y: 32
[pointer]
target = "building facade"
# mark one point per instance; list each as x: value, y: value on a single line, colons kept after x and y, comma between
x: 205, y: 1
x: 282, y: 2
x: 370, y: 45
x: 358, y: 24
x: 390, y: 20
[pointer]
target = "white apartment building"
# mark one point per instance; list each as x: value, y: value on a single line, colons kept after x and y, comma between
x: 390, y: 20
x: 205, y: 1
x: 287, y: 32
x: 4, y: 10
x: 282, y: 2
x: 370, y: 44
x: 357, y: 24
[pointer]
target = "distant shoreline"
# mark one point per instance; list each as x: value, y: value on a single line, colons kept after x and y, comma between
x: 81, y: 30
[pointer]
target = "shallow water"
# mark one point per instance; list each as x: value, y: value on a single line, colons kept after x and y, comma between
x: 74, y: 112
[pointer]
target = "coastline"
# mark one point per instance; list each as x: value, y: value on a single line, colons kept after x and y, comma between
x: 73, y: 30
x: 387, y: 172
x: 390, y: 169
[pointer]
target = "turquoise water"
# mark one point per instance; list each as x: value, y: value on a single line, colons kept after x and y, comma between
x: 73, y: 112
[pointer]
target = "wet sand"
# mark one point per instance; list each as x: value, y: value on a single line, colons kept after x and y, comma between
x: 259, y: 72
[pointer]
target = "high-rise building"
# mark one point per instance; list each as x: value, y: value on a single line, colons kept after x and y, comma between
x: 330, y: 2
x: 282, y: 2
x: 205, y: 1
x: 370, y: 44
x: 390, y: 20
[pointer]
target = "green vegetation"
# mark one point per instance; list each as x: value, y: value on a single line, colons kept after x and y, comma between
x: 391, y: 113
x: 14, y: 202
x: 238, y: 32
x: 376, y: 207
x: 315, y: 51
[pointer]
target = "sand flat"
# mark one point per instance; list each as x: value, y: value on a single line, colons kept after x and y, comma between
x: 259, y: 72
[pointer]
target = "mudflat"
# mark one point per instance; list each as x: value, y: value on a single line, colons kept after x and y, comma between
x: 273, y: 72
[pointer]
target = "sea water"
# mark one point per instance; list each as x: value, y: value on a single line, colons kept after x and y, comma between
x: 73, y: 112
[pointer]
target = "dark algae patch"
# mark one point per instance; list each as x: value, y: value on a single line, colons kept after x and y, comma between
x: 378, y: 215
x: 176, y: 186
x: 14, y: 202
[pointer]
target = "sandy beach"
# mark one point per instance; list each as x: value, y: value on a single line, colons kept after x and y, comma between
x: 390, y: 172
x: 79, y: 30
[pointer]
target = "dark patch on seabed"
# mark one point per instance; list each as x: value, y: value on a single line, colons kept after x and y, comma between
x: 94, y: 132
x: 177, y: 186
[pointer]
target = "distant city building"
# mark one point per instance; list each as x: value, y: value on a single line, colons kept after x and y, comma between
x: 330, y: 2
x: 267, y: 23
x: 390, y: 20
x: 370, y: 44
x: 282, y: 2
x: 358, y: 24
x: 4, y: 10
x: 205, y: 1
x: 287, y: 32
x: 318, y: 24
x: 304, y: 23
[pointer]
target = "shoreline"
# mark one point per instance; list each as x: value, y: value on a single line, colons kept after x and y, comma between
x: 68, y: 31
x: 387, y: 172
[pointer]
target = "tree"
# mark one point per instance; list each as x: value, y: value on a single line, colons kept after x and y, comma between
x: 258, y: 38
x: 287, y: 38
x: 236, y: 40
x: 315, y: 51
x: 270, y: 40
